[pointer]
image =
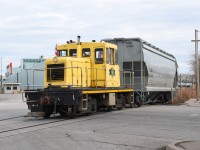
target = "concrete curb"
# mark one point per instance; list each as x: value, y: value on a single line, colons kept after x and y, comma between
x: 173, y: 146
x: 183, y: 145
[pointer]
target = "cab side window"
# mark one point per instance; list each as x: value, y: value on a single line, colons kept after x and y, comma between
x: 73, y: 52
x: 99, y: 56
x: 110, y: 53
x: 86, y: 52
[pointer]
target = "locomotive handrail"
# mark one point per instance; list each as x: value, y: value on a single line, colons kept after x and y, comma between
x: 34, y: 86
x: 72, y: 74
x: 35, y: 69
x: 97, y: 73
x: 124, y: 72
x: 131, y: 78
x: 81, y: 74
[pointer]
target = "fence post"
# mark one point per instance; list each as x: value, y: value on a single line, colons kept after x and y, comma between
x: 172, y: 96
x: 181, y: 85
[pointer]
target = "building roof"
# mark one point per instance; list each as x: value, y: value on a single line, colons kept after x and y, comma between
x: 11, y: 83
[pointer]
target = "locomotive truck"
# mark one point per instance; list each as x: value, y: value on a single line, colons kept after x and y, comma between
x: 82, y: 78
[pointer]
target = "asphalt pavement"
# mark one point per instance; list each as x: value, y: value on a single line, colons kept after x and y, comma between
x: 154, y: 127
x: 186, y: 145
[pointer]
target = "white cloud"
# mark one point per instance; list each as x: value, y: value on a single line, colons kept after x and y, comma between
x: 32, y: 28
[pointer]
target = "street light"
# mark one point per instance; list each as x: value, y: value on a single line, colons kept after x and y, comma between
x: 197, y: 62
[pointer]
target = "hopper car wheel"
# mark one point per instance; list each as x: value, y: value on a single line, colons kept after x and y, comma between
x: 168, y: 97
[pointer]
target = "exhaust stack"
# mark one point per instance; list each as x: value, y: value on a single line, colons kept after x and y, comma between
x: 78, y: 40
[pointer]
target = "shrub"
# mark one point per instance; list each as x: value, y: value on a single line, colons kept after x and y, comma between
x: 184, y: 95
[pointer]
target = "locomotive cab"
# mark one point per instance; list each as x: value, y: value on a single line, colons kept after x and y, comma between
x: 86, y: 64
x: 107, y: 71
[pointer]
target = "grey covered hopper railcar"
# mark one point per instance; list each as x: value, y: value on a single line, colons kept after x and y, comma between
x: 155, y: 71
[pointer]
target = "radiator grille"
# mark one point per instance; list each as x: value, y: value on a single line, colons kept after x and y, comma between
x: 55, y: 72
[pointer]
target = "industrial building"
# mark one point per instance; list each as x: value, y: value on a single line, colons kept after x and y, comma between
x: 11, y: 88
x: 29, y: 75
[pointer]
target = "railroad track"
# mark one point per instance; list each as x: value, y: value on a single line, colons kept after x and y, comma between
x: 10, y: 118
x: 30, y: 126
x: 47, y: 123
x: 9, y: 121
x: 23, y: 126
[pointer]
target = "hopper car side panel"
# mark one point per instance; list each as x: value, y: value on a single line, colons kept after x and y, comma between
x: 155, y: 71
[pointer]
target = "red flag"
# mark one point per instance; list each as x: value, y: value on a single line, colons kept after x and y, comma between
x: 10, y: 67
x: 56, y: 52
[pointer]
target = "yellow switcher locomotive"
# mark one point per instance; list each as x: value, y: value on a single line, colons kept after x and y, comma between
x: 82, y: 78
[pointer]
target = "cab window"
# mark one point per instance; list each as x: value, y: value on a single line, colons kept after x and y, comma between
x: 116, y: 56
x: 99, y: 56
x: 110, y: 53
x: 63, y: 53
x: 73, y: 52
x: 86, y: 52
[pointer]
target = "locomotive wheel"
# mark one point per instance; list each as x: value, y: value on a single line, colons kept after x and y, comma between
x: 109, y: 108
x: 94, y: 105
x: 47, y: 111
x: 72, y: 112
x: 63, y: 111
x: 119, y: 108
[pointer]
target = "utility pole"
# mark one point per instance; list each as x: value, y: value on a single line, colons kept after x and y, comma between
x: 1, y: 77
x: 181, y: 85
x: 197, y: 62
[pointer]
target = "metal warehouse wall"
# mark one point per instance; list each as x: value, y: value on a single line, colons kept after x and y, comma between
x: 29, y: 79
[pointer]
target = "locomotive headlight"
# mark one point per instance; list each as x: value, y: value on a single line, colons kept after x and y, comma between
x: 55, y: 59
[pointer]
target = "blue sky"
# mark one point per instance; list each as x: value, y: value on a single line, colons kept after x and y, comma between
x: 29, y: 29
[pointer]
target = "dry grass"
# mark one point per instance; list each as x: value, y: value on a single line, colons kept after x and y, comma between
x: 186, y: 94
